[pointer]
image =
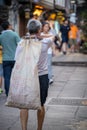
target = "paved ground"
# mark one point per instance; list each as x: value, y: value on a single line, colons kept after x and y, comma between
x: 71, y: 59
x: 64, y: 108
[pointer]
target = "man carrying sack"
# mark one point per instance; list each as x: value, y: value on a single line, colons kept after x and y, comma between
x: 41, y: 64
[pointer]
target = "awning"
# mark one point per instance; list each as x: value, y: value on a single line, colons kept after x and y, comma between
x: 49, y: 4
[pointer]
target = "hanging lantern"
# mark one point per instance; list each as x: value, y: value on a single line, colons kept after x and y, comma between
x: 27, y: 13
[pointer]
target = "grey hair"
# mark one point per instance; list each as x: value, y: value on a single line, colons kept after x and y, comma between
x: 34, y: 26
x: 38, y: 23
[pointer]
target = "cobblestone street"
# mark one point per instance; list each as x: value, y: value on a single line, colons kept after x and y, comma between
x: 64, y: 108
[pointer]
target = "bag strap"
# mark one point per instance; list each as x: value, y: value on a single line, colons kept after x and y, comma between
x: 30, y: 37
x: 34, y: 37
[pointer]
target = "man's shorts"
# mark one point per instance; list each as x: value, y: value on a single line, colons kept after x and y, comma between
x: 72, y: 41
x: 44, y: 84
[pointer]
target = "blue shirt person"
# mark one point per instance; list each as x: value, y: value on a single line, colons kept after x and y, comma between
x: 8, y: 40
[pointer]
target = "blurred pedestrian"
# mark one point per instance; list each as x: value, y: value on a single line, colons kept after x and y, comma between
x: 56, y: 26
x: 54, y: 30
x: 1, y: 70
x: 45, y: 31
x: 64, y: 29
x: 52, y: 27
x: 73, y: 36
x: 32, y: 17
x: 8, y: 40
x: 1, y: 67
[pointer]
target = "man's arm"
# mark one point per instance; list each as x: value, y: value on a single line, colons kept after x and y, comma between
x: 44, y: 36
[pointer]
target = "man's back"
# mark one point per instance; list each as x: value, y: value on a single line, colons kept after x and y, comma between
x: 9, y: 40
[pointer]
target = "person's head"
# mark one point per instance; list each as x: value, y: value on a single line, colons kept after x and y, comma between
x: 45, y: 27
x: 71, y: 23
x: 78, y: 26
x: 11, y: 28
x: 5, y: 25
x: 65, y: 21
x: 34, y: 27
x: 35, y: 16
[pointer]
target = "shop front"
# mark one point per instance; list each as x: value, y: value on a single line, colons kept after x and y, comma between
x: 31, y: 7
x: 26, y: 9
x: 44, y: 9
x: 4, y: 10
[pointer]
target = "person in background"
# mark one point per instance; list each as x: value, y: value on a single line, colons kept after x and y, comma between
x: 55, y: 30
x: 32, y: 17
x: 8, y: 40
x: 1, y: 67
x: 1, y: 70
x: 52, y: 27
x: 64, y: 29
x: 57, y: 26
x: 73, y: 36
x: 45, y: 31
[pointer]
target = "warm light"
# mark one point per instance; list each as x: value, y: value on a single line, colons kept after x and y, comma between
x: 27, y: 15
x: 52, y: 16
x: 38, y: 12
x: 38, y: 7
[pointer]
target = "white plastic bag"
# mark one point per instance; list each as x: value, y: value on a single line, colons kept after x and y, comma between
x: 24, y: 84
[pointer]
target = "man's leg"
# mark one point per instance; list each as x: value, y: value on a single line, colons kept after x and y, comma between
x: 7, y: 74
x: 44, y: 84
x: 24, y: 118
x: 50, y: 68
x: 40, y: 117
x: 64, y: 48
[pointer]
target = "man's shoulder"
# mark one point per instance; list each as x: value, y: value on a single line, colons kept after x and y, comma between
x: 13, y: 33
